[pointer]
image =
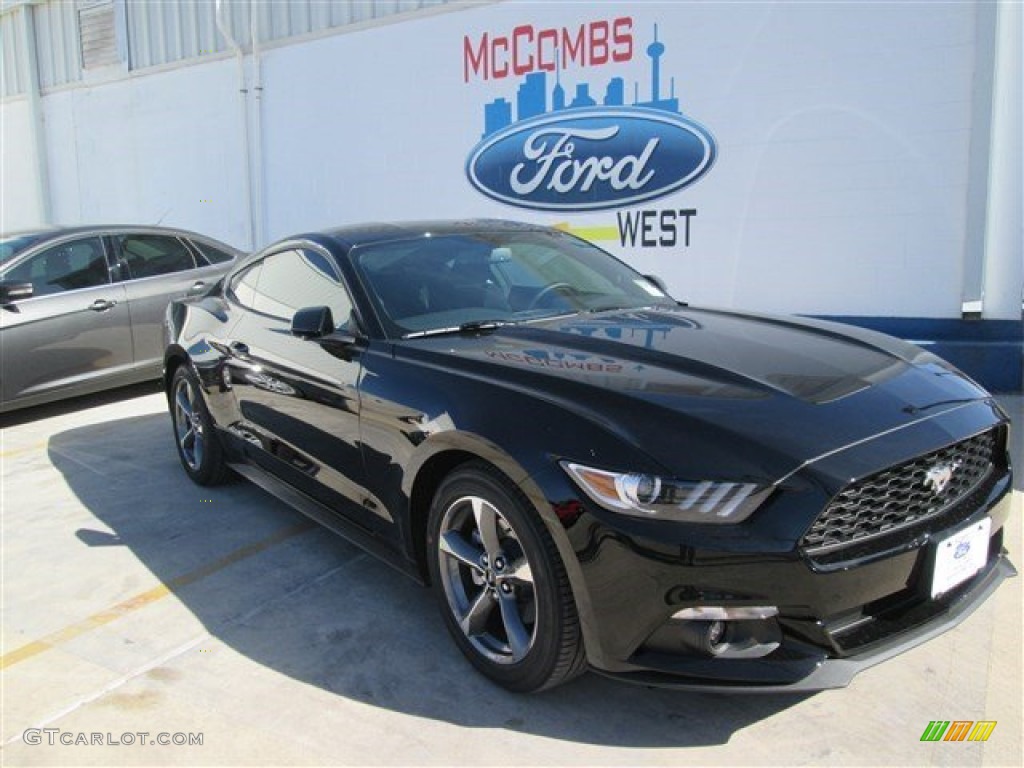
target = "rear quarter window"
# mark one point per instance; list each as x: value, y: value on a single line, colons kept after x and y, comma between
x: 212, y: 254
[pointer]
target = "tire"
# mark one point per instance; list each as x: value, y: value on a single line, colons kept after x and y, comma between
x: 500, y: 583
x: 199, y: 448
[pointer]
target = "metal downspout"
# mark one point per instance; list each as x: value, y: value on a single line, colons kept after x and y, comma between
x: 257, y: 139
x: 35, y: 105
x: 244, y: 117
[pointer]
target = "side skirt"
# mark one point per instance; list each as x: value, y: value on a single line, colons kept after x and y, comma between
x: 321, y: 514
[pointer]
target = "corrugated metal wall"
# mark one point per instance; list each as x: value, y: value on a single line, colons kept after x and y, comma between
x: 159, y: 33
x: 164, y: 31
x: 12, y: 76
x: 58, y: 50
x: 58, y: 46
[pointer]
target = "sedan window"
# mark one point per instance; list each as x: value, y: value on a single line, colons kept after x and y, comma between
x: 65, y: 267
x: 211, y: 254
x: 16, y: 244
x: 151, y: 255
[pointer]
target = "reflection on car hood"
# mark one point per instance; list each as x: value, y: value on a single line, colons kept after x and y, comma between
x: 791, y: 387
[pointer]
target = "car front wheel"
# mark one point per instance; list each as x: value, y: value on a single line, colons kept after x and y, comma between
x: 501, y: 584
x: 198, y: 447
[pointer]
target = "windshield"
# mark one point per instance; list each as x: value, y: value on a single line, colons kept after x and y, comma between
x: 444, y: 282
x: 15, y: 244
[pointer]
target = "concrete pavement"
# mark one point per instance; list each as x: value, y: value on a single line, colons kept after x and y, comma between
x: 135, y: 602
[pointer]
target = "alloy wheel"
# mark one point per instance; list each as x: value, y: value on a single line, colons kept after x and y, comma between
x: 188, y: 425
x: 487, y: 580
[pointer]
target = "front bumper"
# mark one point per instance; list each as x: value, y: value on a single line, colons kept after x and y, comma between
x: 837, y: 613
x: 816, y: 671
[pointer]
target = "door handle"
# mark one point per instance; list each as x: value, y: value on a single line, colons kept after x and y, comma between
x: 102, y: 305
x: 197, y: 287
x: 239, y: 349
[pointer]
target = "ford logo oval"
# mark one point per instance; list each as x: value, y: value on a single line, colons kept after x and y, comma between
x: 591, y: 159
x: 962, y: 549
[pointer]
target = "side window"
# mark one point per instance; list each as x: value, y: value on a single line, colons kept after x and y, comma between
x: 65, y: 267
x: 243, y: 285
x: 151, y: 255
x: 212, y: 254
x: 292, y: 280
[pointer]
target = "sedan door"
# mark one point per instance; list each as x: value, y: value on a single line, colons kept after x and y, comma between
x: 72, y: 333
x: 157, y: 268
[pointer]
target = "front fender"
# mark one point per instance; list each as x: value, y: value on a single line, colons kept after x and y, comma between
x: 548, y: 492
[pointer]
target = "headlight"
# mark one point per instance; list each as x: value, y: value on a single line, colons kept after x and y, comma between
x: 663, y: 498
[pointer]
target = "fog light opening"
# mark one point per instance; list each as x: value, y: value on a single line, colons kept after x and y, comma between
x: 731, y: 634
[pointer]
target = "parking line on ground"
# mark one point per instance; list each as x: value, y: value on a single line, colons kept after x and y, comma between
x: 24, y: 449
x: 143, y: 599
x: 191, y: 644
x: 114, y: 685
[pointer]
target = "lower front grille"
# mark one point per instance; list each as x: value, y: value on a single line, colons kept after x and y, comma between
x: 874, y: 629
x: 901, y: 612
x: 857, y: 630
x: 904, y: 495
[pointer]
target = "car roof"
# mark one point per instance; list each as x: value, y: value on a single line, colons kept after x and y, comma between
x: 86, y: 229
x: 367, y: 233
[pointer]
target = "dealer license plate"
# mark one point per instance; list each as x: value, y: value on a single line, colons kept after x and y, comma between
x: 960, y: 556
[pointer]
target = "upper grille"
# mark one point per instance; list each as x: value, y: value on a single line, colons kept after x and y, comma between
x: 902, y: 495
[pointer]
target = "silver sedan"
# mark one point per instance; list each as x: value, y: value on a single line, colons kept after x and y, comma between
x: 81, y: 309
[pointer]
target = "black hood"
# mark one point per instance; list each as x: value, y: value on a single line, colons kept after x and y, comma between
x: 692, y: 380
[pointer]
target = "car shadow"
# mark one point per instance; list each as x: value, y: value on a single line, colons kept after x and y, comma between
x: 311, y: 606
x: 78, y: 403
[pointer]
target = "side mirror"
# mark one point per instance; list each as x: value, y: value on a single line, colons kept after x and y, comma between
x: 312, y: 322
x: 11, y: 291
x: 658, y: 283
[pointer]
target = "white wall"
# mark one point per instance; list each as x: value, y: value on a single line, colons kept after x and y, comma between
x: 161, y: 148
x: 843, y: 136
x: 19, y: 202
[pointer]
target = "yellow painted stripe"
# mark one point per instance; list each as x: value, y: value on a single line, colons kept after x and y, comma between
x: 26, y: 651
x: 590, y: 233
x: 24, y: 449
x: 143, y: 599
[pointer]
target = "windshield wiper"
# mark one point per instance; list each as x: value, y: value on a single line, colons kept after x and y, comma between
x: 473, y: 326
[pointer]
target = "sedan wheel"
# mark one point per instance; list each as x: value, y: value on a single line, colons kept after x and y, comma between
x: 198, y: 446
x: 500, y: 583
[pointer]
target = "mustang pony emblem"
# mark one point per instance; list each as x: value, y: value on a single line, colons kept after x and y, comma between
x: 939, y: 476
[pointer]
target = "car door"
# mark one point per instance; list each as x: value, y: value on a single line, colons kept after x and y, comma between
x: 299, y: 397
x: 157, y: 268
x: 73, y: 331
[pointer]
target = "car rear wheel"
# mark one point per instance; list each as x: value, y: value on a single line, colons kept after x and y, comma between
x: 500, y: 583
x: 198, y: 447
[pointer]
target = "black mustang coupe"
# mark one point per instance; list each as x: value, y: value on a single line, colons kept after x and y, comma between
x: 590, y: 473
